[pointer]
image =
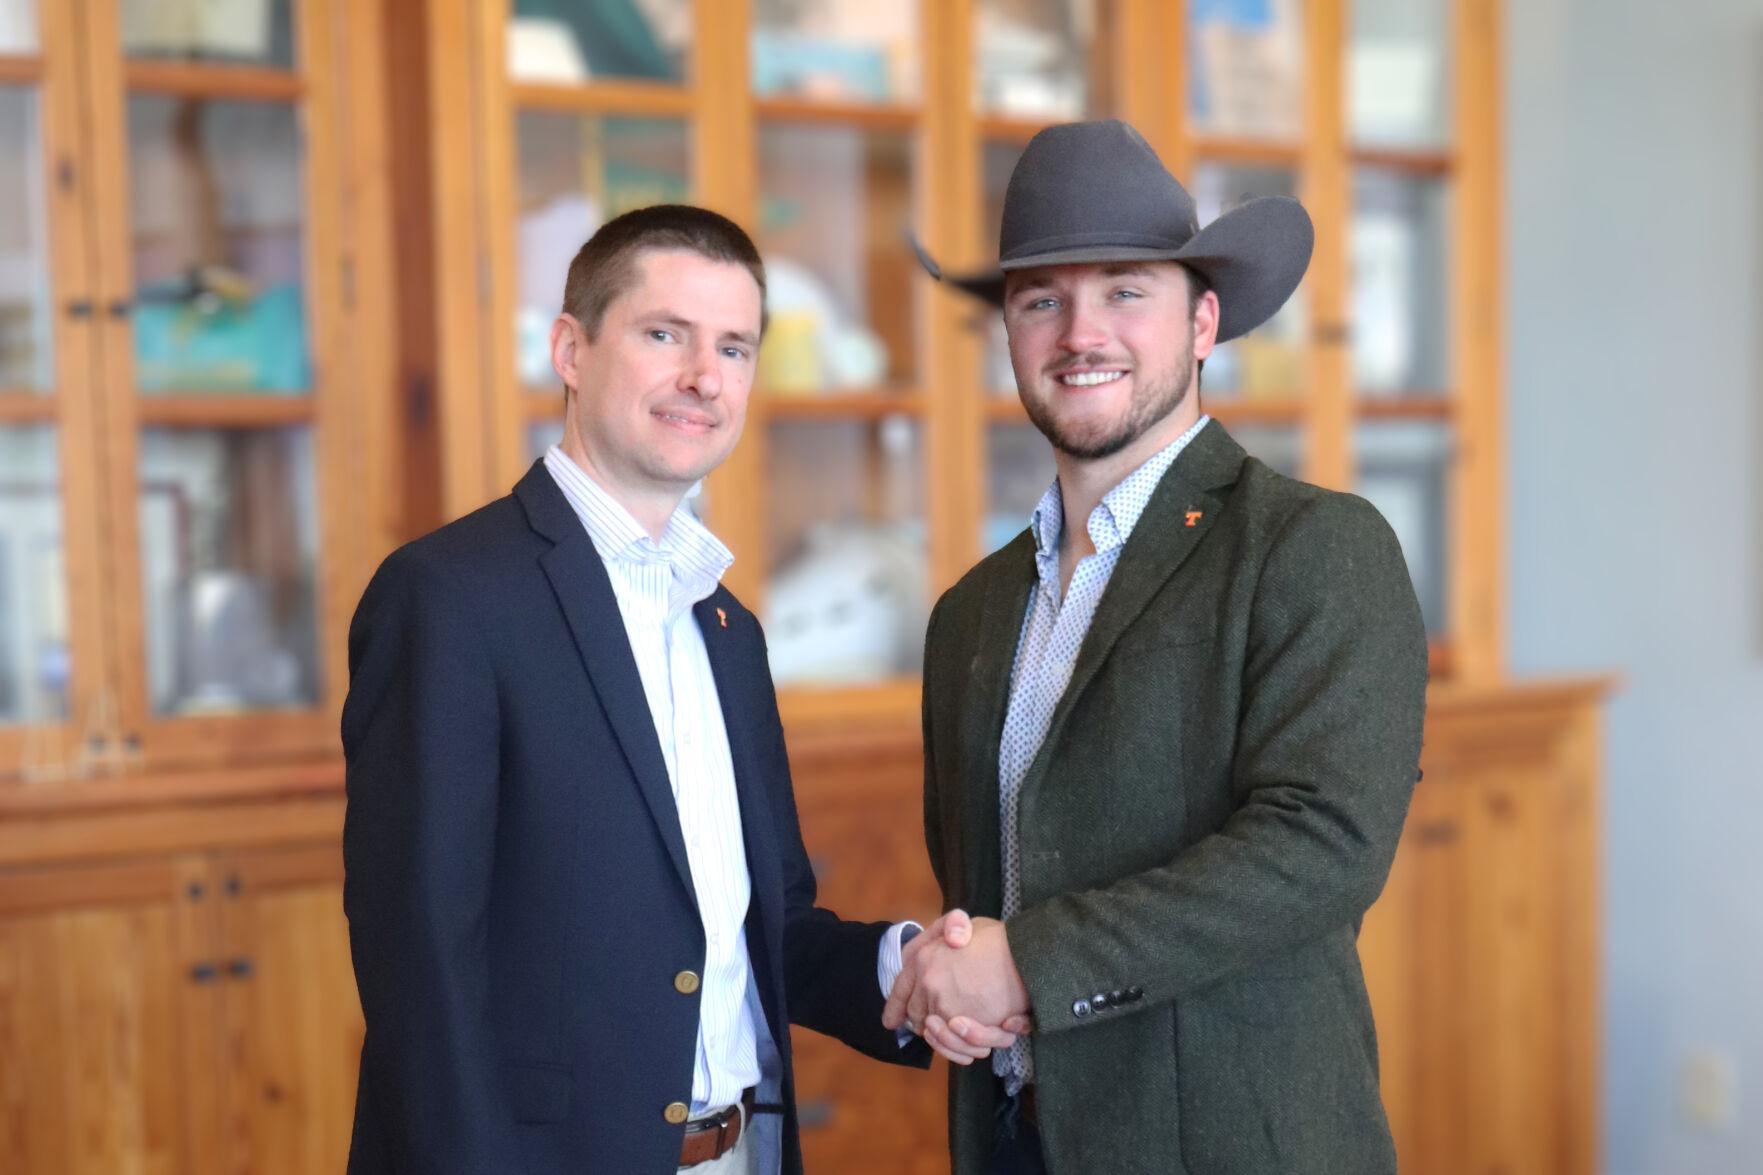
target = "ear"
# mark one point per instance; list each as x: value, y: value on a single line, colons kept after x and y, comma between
x: 567, y: 340
x: 1205, y: 324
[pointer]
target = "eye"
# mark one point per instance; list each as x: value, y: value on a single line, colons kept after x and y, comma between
x: 1046, y: 303
x: 1128, y: 294
x: 661, y: 335
x: 735, y: 352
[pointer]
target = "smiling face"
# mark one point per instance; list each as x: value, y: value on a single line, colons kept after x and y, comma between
x: 660, y: 393
x: 1104, y: 354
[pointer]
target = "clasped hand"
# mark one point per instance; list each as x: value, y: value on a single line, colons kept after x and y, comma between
x: 959, y: 989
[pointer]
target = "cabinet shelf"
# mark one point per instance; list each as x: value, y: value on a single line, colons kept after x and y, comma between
x: 215, y: 81
x: 867, y: 116
x: 858, y: 405
x: 629, y: 98
x: 200, y: 410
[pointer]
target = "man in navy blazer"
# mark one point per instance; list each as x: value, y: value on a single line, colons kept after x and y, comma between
x: 581, y: 915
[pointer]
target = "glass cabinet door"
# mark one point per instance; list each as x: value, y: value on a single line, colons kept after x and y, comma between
x: 838, y: 409
x: 51, y: 654
x: 222, y: 302
x: 1035, y: 63
x: 596, y: 100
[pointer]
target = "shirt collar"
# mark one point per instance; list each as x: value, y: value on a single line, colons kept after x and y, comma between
x: 1112, y: 522
x: 697, y: 557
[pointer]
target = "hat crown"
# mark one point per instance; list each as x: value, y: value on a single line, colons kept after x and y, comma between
x: 1092, y: 183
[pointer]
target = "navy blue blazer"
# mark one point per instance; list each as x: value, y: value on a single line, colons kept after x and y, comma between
x: 517, y: 889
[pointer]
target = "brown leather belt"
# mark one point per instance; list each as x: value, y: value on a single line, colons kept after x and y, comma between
x: 708, y: 1139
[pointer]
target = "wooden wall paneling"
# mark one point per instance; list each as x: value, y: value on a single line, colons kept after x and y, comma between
x: 343, y: 494
x: 456, y: 65
x: 292, y: 1020
x: 946, y: 216
x: 725, y: 154
x: 109, y: 1067
x: 417, y: 421
x: 113, y: 441
x: 375, y: 454
x: 1325, y: 186
x: 1477, y: 509
x: 497, y: 184
x: 858, y: 815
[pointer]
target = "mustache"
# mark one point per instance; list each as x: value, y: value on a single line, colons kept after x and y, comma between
x: 1089, y: 361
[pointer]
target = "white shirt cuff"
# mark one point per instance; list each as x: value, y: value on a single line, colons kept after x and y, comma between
x: 888, y: 965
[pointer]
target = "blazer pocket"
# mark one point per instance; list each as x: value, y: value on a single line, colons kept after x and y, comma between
x: 538, y: 1092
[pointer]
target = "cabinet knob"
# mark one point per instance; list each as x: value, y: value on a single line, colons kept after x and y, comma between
x: 239, y: 968
x: 204, y: 973
x: 80, y: 308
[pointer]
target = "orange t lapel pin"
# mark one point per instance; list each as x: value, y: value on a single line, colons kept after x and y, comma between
x: 1194, y: 517
x: 722, y: 616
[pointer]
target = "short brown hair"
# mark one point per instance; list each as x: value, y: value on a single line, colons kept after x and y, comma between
x: 606, y: 267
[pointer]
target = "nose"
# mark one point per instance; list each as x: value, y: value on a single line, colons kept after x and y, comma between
x: 1082, y: 331
x: 702, y: 373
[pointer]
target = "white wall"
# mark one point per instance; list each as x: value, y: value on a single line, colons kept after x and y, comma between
x: 1635, y: 260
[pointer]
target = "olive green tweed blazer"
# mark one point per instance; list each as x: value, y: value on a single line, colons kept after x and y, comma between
x: 1215, y: 806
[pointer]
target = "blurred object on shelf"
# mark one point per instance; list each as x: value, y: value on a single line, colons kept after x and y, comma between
x: 208, y: 332
x: 569, y: 42
x: 836, y: 51
x: 849, y: 608
x: 1246, y: 67
x: 1033, y: 57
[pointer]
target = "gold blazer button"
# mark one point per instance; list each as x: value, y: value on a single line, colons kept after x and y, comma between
x: 686, y: 982
x: 675, y: 1113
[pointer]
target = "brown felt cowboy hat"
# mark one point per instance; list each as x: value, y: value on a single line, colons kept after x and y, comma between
x: 1095, y: 191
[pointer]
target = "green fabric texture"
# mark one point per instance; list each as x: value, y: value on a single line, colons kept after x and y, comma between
x: 1216, y: 804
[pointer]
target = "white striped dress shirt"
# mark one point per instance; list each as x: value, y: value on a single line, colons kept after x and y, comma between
x: 656, y: 585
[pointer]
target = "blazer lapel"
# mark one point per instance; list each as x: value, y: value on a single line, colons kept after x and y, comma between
x: 1176, y: 520
x: 1000, y: 628
x: 584, y: 592
x: 735, y: 686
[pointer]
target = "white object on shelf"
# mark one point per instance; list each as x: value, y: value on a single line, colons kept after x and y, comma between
x: 850, y: 609
x: 544, y: 50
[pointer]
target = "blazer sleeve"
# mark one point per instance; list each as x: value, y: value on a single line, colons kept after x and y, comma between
x: 829, y: 962
x: 420, y: 737
x: 1334, y: 696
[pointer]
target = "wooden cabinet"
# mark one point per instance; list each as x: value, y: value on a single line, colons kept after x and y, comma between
x: 231, y: 379
x: 1481, y: 956
x: 186, y: 1012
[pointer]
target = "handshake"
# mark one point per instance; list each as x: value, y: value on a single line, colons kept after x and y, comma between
x: 959, y: 989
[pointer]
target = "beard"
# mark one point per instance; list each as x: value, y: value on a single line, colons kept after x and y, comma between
x: 1152, y: 402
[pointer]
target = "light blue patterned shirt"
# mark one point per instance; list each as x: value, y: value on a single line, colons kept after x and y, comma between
x: 1052, y: 633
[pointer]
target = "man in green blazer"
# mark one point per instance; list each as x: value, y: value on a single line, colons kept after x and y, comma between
x: 1169, y: 751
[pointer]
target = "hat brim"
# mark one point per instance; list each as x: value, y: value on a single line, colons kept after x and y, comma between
x: 1253, y: 256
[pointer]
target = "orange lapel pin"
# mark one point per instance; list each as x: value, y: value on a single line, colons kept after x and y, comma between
x: 1194, y: 517
x: 722, y: 616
